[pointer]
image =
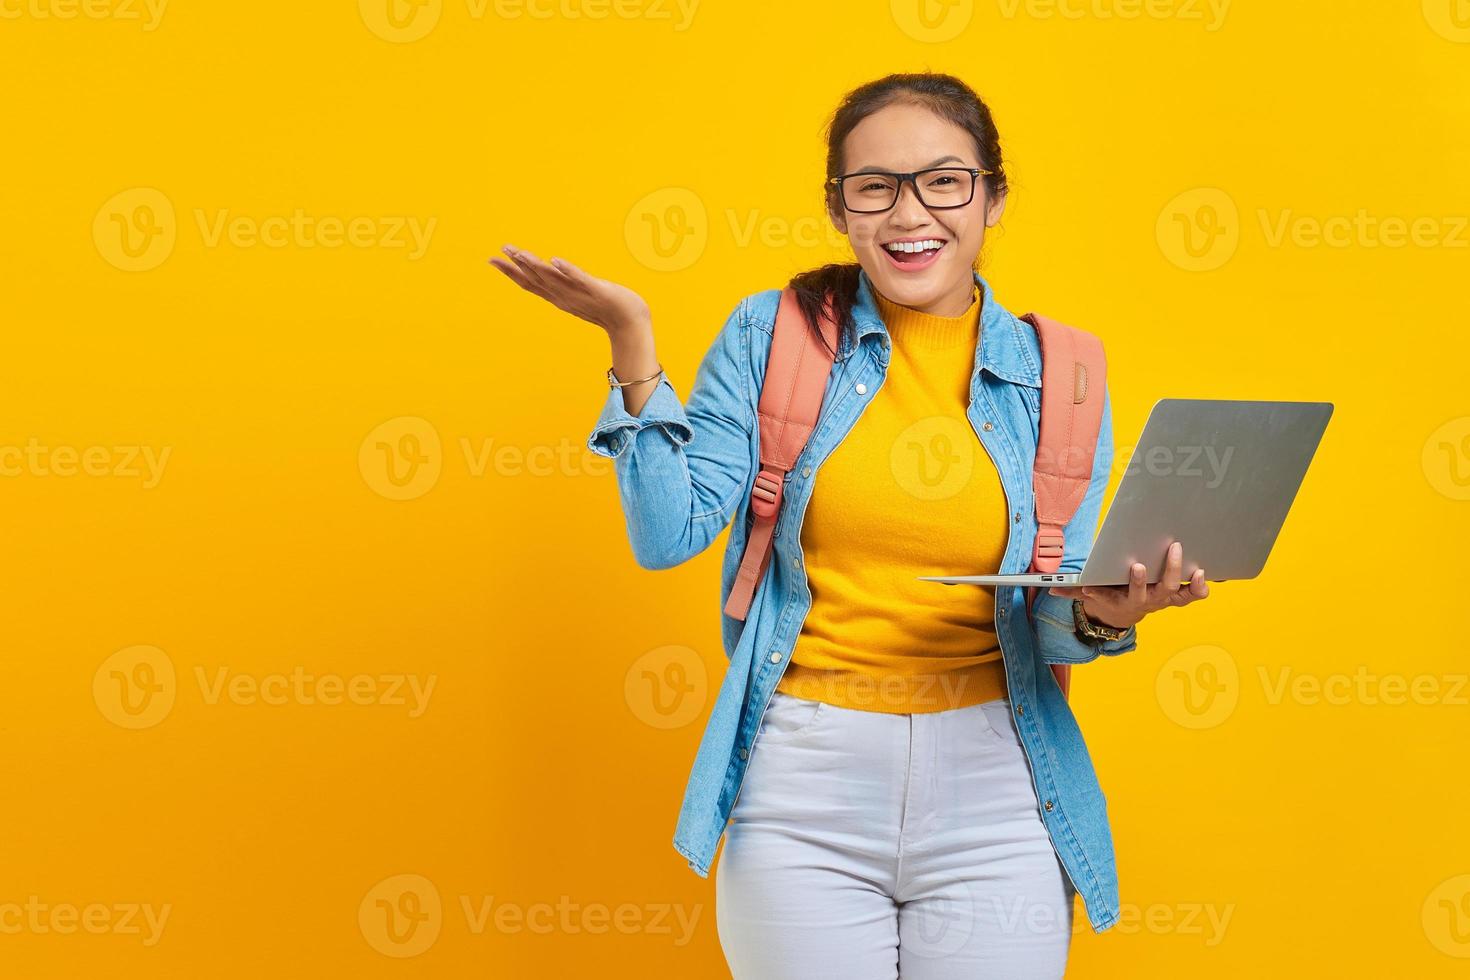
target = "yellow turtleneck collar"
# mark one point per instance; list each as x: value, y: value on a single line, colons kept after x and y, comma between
x: 907, y: 325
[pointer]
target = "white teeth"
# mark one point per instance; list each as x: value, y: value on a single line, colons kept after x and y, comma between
x: 923, y: 246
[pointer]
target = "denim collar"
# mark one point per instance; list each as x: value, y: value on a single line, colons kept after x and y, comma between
x: 1008, y: 348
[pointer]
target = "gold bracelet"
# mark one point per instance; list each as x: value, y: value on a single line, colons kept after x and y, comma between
x: 1096, y: 631
x: 614, y: 382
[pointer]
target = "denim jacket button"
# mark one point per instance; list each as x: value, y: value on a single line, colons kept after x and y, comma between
x: 775, y: 656
x: 745, y: 753
x: 862, y: 389
x: 1020, y: 709
x: 1048, y: 806
x: 987, y: 427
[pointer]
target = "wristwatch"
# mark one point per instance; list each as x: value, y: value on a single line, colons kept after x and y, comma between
x: 1096, y: 631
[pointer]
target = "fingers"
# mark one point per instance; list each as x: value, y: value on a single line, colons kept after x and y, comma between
x: 1137, y: 587
x: 570, y: 271
x: 546, y: 281
x: 539, y: 272
x: 1198, y: 587
x: 1173, y: 567
x: 520, y: 276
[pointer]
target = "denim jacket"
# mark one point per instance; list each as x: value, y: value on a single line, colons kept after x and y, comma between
x: 684, y: 473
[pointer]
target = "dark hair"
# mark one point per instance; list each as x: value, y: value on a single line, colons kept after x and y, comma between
x: 944, y: 95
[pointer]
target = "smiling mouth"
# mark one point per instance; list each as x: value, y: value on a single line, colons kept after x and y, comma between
x: 914, y: 255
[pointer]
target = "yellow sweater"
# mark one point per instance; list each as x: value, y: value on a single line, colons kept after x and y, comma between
x: 909, y: 491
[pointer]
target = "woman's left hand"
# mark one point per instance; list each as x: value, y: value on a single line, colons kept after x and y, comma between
x: 1121, y: 606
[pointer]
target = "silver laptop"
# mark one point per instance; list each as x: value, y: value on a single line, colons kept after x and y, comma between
x: 1218, y: 476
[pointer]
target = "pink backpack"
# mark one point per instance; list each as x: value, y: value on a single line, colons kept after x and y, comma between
x: 1072, y: 383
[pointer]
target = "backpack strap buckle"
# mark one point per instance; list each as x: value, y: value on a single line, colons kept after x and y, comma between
x: 765, y: 495
x: 1046, y: 553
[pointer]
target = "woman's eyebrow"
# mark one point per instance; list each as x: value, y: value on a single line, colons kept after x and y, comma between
x: 936, y: 163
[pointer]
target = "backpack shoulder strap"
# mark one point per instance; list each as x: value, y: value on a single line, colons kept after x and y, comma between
x: 1073, y: 379
x: 1073, y: 374
x: 797, y: 369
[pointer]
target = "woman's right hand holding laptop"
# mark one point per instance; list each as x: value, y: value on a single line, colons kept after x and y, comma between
x: 1121, y: 606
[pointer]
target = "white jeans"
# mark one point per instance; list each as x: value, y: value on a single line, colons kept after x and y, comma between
x: 868, y: 846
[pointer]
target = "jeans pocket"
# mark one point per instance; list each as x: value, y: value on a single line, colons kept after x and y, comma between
x: 996, y: 717
x: 788, y: 717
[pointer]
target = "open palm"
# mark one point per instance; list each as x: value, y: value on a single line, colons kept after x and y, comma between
x: 607, y: 304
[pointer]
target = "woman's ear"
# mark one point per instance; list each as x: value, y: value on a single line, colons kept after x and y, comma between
x: 839, y: 219
x: 994, y: 210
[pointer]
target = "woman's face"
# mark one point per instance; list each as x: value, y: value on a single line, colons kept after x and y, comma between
x: 901, y: 139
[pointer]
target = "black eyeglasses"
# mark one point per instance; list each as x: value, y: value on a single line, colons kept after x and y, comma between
x: 941, y: 187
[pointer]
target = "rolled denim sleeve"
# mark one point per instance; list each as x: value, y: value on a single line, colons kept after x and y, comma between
x: 616, y: 428
x: 681, y: 467
x: 1056, y: 634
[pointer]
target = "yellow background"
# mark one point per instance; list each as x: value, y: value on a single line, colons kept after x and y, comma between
x: 544, y: 768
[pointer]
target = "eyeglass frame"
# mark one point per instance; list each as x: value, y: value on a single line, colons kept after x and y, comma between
x: 912, y: 177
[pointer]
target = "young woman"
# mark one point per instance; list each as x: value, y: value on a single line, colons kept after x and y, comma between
x: 901, y: 784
